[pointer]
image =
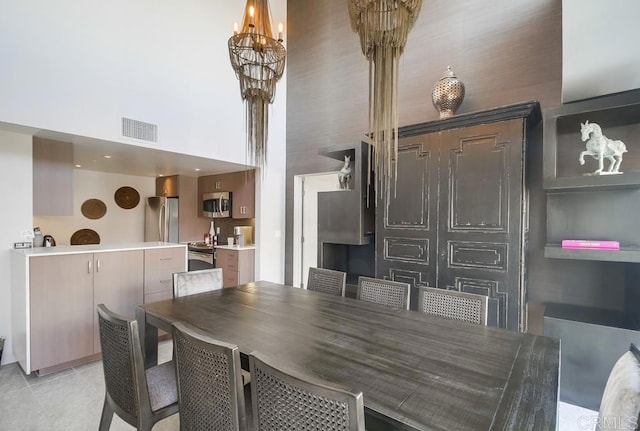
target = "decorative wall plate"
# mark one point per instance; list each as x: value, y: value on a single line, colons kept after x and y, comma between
x: 127, y: 197
x: 93, y: 209
x: 85, y: 236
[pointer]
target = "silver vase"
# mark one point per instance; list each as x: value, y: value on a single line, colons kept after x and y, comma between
x: 447, y: 94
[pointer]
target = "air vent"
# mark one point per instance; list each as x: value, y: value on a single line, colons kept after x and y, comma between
x: 139, y: 130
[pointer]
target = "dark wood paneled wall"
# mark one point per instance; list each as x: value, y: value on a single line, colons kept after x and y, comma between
x: 504, y: 51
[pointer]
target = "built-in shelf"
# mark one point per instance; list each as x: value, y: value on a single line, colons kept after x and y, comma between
x: 623, y: 255
x: 593, y: 182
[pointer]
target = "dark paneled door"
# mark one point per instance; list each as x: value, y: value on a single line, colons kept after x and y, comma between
x: 455, y: 219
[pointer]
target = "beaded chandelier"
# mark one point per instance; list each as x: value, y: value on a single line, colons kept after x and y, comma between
x: 383, y: 26
x: 258, y: 60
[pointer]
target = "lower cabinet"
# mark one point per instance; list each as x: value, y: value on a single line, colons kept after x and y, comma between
x: 238, y: 266
x: 159, y: 266
x: 64, y: 291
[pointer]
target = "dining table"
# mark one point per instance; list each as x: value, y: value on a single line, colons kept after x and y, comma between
x: 416, y: 371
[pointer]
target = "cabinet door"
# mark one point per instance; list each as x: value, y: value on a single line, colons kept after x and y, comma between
x: 61, y: 308
x: 481, y: 216
x: 407, y: 216
x: 244, y: 195
x: 246, y: 266
x: 118, y: 284
x: 167, y: 186
x: 159, y: 266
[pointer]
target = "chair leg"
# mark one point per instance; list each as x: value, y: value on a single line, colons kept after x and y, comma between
x: 107, y: 416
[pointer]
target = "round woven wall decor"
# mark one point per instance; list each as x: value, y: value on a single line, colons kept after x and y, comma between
x: 93, y: 209
x: 85, y: 236
x: 127, y: 197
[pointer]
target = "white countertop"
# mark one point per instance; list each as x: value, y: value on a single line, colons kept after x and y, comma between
x: 235, y: 247
x: 94, y: 248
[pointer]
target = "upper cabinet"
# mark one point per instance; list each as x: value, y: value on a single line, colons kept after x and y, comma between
x: 167, y: 186
x: 52, y: 178
x: 241, y: 185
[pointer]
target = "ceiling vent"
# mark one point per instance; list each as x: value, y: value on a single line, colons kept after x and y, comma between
x: 139, y: 130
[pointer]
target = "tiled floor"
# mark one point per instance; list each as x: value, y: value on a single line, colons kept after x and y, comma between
x: 69, y: 400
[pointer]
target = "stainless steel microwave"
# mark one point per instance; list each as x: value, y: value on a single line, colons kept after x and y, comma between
x: 216, y: 205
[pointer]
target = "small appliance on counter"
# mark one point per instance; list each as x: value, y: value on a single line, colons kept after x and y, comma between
x: 243, y: 235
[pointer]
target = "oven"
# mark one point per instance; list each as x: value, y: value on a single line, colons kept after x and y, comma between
x: 199, y: 259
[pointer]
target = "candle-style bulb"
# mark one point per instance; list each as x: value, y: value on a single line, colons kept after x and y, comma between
x: 235, y: 28
x: 280, y: 32
x: 251, y: 16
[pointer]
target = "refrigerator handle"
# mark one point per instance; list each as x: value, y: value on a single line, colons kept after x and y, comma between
x: 163, y: 215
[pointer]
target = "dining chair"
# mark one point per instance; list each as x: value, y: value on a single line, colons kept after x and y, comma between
x: 620, y: 406
x: 286, y: 399
x: 192, y: 282
x: 463, y: 306
x: 210, y: 388
x: 386, y: 292
x: 140, y: 397
x: 327, y: 281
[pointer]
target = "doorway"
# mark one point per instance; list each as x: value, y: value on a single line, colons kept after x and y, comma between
x: 305, y: 221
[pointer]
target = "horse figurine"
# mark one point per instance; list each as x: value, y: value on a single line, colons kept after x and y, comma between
x: 345, y: 173
x: 600, y: 147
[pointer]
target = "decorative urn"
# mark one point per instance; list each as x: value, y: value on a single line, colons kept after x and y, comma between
x: 447, y: 94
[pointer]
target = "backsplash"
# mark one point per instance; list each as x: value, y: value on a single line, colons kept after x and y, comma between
x: 226, y: 226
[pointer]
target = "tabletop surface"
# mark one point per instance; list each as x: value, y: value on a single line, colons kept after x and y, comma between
x: 423, y: 372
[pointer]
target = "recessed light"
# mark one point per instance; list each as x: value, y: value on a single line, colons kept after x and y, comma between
x: 78, y: 166
x: 106, y: 156
x: 161, y: 175
x: 197, y: 169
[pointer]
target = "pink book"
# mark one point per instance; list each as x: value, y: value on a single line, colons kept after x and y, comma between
x: 589, y: 244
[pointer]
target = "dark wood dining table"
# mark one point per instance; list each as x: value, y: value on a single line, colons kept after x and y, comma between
x: 416, y: 371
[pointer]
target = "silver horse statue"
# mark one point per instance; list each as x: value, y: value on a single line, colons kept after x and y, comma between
x: 600, y: 147
x: 344, y: 176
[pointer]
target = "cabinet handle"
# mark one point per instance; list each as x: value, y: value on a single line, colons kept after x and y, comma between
x: 89, y: 267
x: 98, y: 265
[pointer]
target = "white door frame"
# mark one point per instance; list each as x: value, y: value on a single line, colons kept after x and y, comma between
x: 308, y: 186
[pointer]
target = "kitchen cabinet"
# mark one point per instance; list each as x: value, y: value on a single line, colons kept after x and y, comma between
x: 240, y: 184
x: 238, y: 265
x: 457, y: 216
x: 159, y: 266
x: 191, y: 226
x: 52, y: 178
x: 64, y: 292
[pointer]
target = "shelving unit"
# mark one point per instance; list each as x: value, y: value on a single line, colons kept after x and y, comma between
x: 581, y: 205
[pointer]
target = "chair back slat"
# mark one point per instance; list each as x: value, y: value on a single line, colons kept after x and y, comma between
x: 327, y: 281
x: 463, y: 306
x: 210, y: 390
x: 386, y: 292
x: 117, y: 361
x: 192, y: 282
x: 284, y: 399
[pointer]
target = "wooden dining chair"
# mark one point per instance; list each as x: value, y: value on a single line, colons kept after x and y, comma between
x: 210, y: 389
x: 140, y: 397
x: 386, y: 292
x: 463, y: 306
x: 620, y: 406
x: 285, y: 399
x: 327, y: 281
x: 192, y: 282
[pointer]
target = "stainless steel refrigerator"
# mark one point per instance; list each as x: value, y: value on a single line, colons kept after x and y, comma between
x: 161, y: 219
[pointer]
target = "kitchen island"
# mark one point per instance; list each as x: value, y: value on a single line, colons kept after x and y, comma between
x: 55, y: 291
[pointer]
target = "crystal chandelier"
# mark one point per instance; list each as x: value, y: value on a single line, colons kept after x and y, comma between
x: 258, y: 60
x: 383, y: 26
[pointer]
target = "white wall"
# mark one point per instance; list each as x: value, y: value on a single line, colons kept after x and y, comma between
x: 16, y: 175
x: 599, y: 55
x: 79, y: 66
x: 118, y: 225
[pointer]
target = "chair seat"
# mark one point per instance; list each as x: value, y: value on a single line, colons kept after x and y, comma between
x: 161, y: 381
